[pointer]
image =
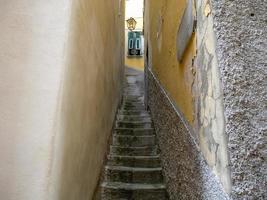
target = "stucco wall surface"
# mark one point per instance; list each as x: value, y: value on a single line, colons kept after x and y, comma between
x: 91, y: 93
x: 162, y: 21
x: 240, y: 28
x: 32, y: 37
x: 61, y: 69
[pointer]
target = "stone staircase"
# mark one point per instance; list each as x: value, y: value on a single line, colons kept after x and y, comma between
x: 133, y: 170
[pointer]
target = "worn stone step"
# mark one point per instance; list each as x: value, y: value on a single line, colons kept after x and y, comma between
x: 133, y: 124
x: 131, y: 87
x: 140, y: 112
x: 134, y: 161
x: 133, y: 118
x: 133, y: 174
x: 134, y: 151
x: 137, y: 99
x: 136, y: 104
x: 132, y: 92
x: 133, y: 107
x: 133, y: 97
x: 134, y: 141
x: 134, y: 131
x: 131, y: 191
x: 128, y: 103
x: 133, y: 100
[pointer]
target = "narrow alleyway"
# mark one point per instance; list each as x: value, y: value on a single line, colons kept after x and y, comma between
x: 133, y: 169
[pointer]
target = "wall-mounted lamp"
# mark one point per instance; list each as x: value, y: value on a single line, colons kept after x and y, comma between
x: 131, y: 23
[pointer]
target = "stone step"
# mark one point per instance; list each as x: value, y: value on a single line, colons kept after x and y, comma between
x: 133, y: 94
x: 133, y: 100
x: 130, y: 87
x: 133, y: 124
x: 134, y: 131
x: 134, y: 97
x: 134, y: 141
x: 130, y: 191
x: 133, y: 170
x: 133, y: 118
x: 133, y: 174
x: 133, y: 107
x: 128, y: 103
x: 134, y: 112
x: 132, y: 91
x: 134, y: 151
x: 134, y: 161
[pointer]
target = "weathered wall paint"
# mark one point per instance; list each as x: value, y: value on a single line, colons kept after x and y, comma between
x: 194, y: 84
x: 61, y: 73
x: 240, y: 28
x: 162, y: 20
x: 229, y: 91
x: 209, y: 121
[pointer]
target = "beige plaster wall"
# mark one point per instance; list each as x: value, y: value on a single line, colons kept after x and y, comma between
x: 61, y: 67
x: 92, y: 87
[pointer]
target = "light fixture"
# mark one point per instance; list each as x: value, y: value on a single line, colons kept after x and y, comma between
x: 131, y: 23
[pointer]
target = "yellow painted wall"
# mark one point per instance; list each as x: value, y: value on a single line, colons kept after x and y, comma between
x: 162, y: 20
x: 135, y: 62
x: 91, y: 93
x: 61, y: 71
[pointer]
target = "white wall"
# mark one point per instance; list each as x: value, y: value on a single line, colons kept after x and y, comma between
x: 32, y: 37
x: 134, y: 8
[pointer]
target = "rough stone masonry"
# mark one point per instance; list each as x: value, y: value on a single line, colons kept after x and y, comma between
x: 240, y: 27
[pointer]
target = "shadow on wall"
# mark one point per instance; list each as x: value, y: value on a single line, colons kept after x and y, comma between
x: 91, y: 93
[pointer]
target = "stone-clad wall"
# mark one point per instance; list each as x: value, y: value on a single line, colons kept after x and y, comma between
x: 240, y: 28
x: 209, y: 110
x: 187, y: 174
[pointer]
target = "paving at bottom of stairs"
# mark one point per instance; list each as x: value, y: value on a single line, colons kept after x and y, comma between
x: 133, y: 170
